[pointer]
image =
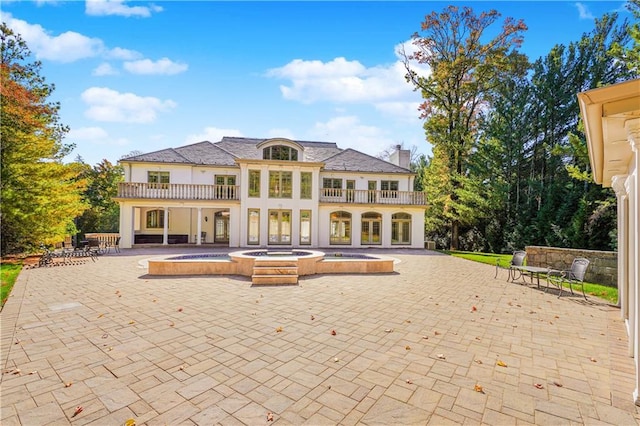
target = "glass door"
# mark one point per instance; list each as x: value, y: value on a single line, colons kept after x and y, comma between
x: 221, y: 227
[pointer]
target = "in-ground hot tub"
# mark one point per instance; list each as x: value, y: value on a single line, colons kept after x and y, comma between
x: 297, y: 262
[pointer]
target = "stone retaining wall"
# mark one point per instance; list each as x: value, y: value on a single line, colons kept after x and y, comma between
x: 603, y: 266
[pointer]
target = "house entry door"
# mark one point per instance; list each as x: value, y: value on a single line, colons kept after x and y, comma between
x: 221, y: 227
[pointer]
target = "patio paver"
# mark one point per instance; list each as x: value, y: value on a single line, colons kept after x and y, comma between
x: 409, y: 348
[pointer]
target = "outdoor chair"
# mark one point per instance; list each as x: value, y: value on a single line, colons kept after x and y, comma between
x: 572, y: 276
x: 516, y: 261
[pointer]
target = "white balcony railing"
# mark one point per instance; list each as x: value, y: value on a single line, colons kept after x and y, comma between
x: 360, y: 196
x: 177, y: 191
x: 183, y: 191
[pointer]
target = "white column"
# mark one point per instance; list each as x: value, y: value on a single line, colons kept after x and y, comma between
x: 633, y: 189
x: 618, y: 184
x: 199, y: 227
x: 165, y: 231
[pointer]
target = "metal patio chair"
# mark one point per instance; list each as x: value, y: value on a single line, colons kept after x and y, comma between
x: 572, y: 276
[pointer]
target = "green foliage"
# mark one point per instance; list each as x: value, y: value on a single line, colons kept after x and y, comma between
x: 103, y: 214
x: 525, y: 158
x: 465, y: 71
x: 40, y: 194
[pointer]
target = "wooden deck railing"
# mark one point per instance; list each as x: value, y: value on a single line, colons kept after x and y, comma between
x: 178, y: 191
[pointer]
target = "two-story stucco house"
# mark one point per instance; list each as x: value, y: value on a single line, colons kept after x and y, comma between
x: 273, y: 193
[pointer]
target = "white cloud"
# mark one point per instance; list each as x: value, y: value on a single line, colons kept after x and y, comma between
x: 112, y: 106
x: 104, y: 69
x: 212, y: 134
x: 348, y: 132
x: 123, y: 54
x: 583, y: 11
x: 163, y: 66
x: 346, y: 81
x: 118, y: 7
x: 94, y: 136
x: 66, y: 47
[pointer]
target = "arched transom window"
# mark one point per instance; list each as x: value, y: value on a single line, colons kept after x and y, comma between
x: 280, y: 152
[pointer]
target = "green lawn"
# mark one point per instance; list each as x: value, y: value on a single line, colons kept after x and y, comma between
x: 8, y: 274
x: 607, y: 293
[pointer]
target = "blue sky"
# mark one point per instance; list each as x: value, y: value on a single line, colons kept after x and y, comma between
x: 143, y: 76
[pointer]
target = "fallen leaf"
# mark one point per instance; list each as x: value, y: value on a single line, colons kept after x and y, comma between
x: 473, y: 309
x: 154, y: 301
x: 278, y: 329
x: 408, y: 321
x: 539, y: 385
x: 16, y: 371
x: 478, y: 388
x: 179, y: 309
x: 501, y: 363
x: 437, y: 333
x: 78, y: 410
x: 172, y: 324
x: 312, y: 317
x: 593, y: 359
x: 408, y: 348
x: 333, y: 332
x: 558, y: 384
x: 100, y: 316
x: 269, y: 416
x: 132, y: 322
x: 130, y: 422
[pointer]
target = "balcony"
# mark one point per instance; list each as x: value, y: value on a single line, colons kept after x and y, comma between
x: 360, y: 196
x: 185, y: 191
x: 177, y: 191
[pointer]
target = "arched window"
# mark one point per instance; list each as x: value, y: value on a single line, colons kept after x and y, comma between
x: 340, y: 232
x: 280, y: 152
x: 371, y: 228
x: 401, y: 228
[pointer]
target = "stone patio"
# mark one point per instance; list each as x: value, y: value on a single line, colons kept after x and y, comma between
x: 440, y: 341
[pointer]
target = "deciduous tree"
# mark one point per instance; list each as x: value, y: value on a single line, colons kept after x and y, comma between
x: 466, y: 65
x: 40, y: 194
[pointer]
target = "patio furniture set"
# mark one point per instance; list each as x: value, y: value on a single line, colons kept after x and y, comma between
x: 91, y: 248
x: 558, y: 278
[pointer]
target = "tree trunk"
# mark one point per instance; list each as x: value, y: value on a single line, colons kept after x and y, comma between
x: 454, y: 235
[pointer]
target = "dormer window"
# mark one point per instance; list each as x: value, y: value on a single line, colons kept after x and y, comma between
x: 280, y: 152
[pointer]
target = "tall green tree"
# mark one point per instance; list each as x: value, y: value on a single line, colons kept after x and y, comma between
x: 40, y: 194
x: 103, y: 214
x: 465, y: 67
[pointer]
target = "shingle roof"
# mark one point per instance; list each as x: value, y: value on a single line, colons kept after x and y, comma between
x: 226, y: 151
x: 197, y: 153
x: 355, y: 161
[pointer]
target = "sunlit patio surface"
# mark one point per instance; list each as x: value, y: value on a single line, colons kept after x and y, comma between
x: 438, y: 341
